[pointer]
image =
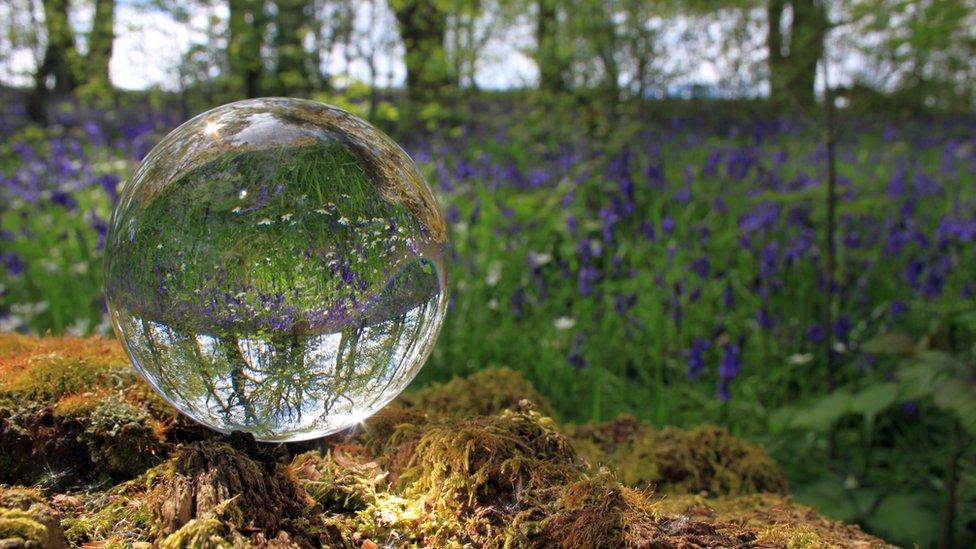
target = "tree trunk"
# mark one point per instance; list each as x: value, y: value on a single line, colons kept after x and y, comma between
x: 792, y: 73
x: 247, y: 25
x: 774, y: 47
x: 806, y: 49
x: 292, y: 67
x: 318, y: 80
x: 100, y: 42
x: 552, y: 70
x: 59, y: 61
x: 423, y: 26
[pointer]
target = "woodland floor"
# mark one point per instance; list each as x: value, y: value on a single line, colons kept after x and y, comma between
x: 90, y: 456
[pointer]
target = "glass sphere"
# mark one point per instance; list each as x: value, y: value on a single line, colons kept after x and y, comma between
x: 276, y: 266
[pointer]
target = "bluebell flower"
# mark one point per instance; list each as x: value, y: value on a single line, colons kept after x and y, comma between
x: 701, y: 266
x: 453, y: 214
x: 587, y: 277
x: 695, y: 357
x: 728, y: 298
x: 842, y: 328
x: 12, y: 263
x: 729, y: 368
x: 667, y: 224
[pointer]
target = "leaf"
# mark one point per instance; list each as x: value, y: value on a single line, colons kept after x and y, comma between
x: 829, y: 495
x: 890, y: 343
x: 958, y: 397
x: 875, y: 398
x: 822, y: 414
x: 906, y: 519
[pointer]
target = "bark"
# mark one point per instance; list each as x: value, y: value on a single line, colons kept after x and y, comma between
x: 100, y: 42
x: 60, y: 56
x: 247, y: 25
x: 552, y: 70
x: 292, y: 66
x: 793, y: 68
x: 423, y: 27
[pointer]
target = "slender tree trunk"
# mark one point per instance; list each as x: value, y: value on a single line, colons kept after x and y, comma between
x: 774, y: 47
x: 423, y: 27
x: 317, y: 79
x: 292, y: 67
x: 552, y: 70
x: 59, y: 61
x: 247, y: 26
x: 793, y: 69
x: 806, y: 49
x: 947, y: 537
x: 100, y: 42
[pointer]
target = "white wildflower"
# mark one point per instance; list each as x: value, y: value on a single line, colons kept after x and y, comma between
x: 494, y: 273
x: 800, y: 359
x: 564, y: 323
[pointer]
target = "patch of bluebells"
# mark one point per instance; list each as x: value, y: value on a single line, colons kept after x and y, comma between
x: 699, y: 230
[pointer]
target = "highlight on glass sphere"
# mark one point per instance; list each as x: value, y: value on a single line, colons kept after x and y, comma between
x: 276, y: 266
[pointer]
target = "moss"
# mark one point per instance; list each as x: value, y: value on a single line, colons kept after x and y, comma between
x: 489, y: 460
x: 123, y: 439
x: 45, y: 369
x: 343, y: 480
x: 467, y: 477
x: 425, y: 472
x: 87, y: 438
x: 769, y: 520
x: 599, y: 512
x: 203, y: 533
x: 602, y: 444
x: 24, y: 516
x: 12, y: 343
x: 20, y: 497
x: 117, y: 519
x: 703, y: 459
x: 16, y: 523
x: 482, y: 393
x: 120, y: 515
x: 36, y: 446
x: 202, y: 476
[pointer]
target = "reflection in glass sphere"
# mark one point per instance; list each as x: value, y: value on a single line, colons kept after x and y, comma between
x: 276, y: 266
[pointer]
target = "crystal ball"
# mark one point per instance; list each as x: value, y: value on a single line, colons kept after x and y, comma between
x: 276, y: 266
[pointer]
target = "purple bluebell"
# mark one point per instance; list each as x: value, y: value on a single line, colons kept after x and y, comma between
x: 729, y: 368
x: 695, y: 357
x: 667, y: 224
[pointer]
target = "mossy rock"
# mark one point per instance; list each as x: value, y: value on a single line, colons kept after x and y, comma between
x: 482, y: 393
x: 704, y: 459
x: 28, y: 522
x: 466, y: 463
x: 103, y: 437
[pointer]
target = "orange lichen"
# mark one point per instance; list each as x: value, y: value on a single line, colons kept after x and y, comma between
x: 45, y: 369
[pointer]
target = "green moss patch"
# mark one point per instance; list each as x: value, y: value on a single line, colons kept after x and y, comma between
x: 466, y: 463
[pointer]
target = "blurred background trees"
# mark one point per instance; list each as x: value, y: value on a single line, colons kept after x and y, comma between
x: 913, y: 52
